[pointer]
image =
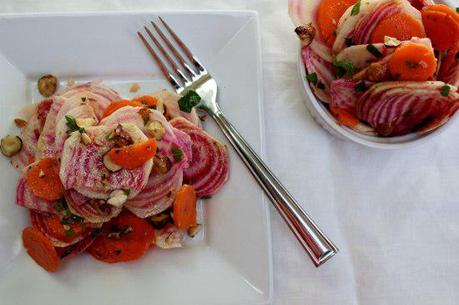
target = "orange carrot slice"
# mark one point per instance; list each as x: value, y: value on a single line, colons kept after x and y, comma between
x: 40, y: 249
x: 344, y: 118
x: 400, y: 26
x: 119, y: 104
x: 442, y: 26
x: 184, y: 208
x: 147, y: 100
x: 328, y: 15
x: 414, y: 62
x: 43, y: 180
x: 124, y: 238
x: 135, y: 155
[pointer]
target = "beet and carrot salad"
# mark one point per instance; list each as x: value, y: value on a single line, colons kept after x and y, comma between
x: 109, y: 176
x: 381, y: 67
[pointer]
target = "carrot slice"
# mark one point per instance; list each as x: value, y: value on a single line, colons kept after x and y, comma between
x: 51, y: 225
x: 344, y: 118
x: 184, y: 208
x: 414, y: 62
x: 451, y: 59
x: 442, y: 26
x: 40, y: 249
x: 328, y: 15
x: 43, y: 180
x: 400, y: 26
x: 124, y: 238
x: 147, y: 100
x: 134, y: 155
x: 119, y: 104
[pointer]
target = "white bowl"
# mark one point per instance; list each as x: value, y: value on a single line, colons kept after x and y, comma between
x: 325, y: 119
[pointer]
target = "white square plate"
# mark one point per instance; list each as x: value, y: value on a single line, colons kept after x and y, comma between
x: 231, y: 264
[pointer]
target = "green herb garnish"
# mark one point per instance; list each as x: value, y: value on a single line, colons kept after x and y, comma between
x: 127, y: 192
x: 312, y: 77
x: 84, y: 99
x: 335, y: 33
x: 374, y: 51
x: 72, y: 125
x: 152, y: 107
x: 360, y: 87
x: 110, y: 136
x: 188, y: 101
x: 457, y: 9
x: 445, y: 90
x: 69, y: 232
x: 320, y: 85
x: 177, y: 153
x: 356, y: 8
x: 343, y: 67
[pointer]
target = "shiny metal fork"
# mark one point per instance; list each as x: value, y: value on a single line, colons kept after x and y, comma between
x: 193, y: 76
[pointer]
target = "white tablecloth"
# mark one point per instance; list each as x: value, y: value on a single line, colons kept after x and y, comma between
x: 393, y: 214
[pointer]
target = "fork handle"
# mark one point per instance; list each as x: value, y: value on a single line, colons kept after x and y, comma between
x: 316, y: 244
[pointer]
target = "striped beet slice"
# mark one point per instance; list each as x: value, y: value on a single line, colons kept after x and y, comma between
x: 398, y: 108
x: 345, y: 92
x: 95, y: 94
x: 209, y: 167
x: 82, y: 166
x: 38, y: 220
x: 323, y: 69
x: 25, y: 198
x: 158, y: 194
x: 94, y: 211
x: 169, y: 102
x: 79, y: 247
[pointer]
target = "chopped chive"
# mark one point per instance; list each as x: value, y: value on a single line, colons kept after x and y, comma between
x: 127, y: 191
x: 320, y: 85
x: 374, y: 51
x: 312, y: 77
x: 356, y: 8
x: 445, y: 90
x: 177, y: 153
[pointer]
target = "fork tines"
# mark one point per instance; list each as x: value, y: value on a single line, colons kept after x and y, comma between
x: 184, y: 78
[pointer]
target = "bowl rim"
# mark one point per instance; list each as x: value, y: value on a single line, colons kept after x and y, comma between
x: 313, y: 104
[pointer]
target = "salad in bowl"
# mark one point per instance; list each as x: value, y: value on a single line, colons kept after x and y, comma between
x: 380, y: 71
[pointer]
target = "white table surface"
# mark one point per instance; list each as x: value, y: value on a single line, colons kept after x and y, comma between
x: 393, y: 214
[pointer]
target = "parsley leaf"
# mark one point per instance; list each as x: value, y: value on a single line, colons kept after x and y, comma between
x: 83, y: 99
x: 177, y: 153
x: 69, y: 232
x: 188, y: 101
x: 445, y: 90
x: 344, y: 67
x: 320, y: 85
x: 312, y: 77
x: 72, y: 125
x: 127, y: 191
x: 374, y: 51
x: 356, y: 8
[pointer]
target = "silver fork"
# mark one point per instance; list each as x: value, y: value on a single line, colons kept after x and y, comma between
x: 197, y: 78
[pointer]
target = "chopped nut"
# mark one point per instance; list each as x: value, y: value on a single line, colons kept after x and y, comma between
x: 156, y: 129
x: 391, y: 42
x: 194, y: 230
x: 66, y: 227
x: 145, y: 114
x: 70, y: 83
x: 41, y: 173
x: 85, y: 123
x: 86, y: 139
x: 134, y: 87
x: 161, y: 164
x: 110, y: 165
x: 47, y: 85
x: 306, y: 33
x: 11, y: 145
x: 117, y: 198
x: 20, y: 123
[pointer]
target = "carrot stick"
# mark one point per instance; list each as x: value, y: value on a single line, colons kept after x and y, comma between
x: 442, y: 26
x: 147, y: 100
x: 184, y: 208
x: 43, y: 180
x: 119, y: 104
x: 328, y: 15
x: 40, y: 249
x: 135, y: 155
x: 414, y: 62
x: 400, y: 26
